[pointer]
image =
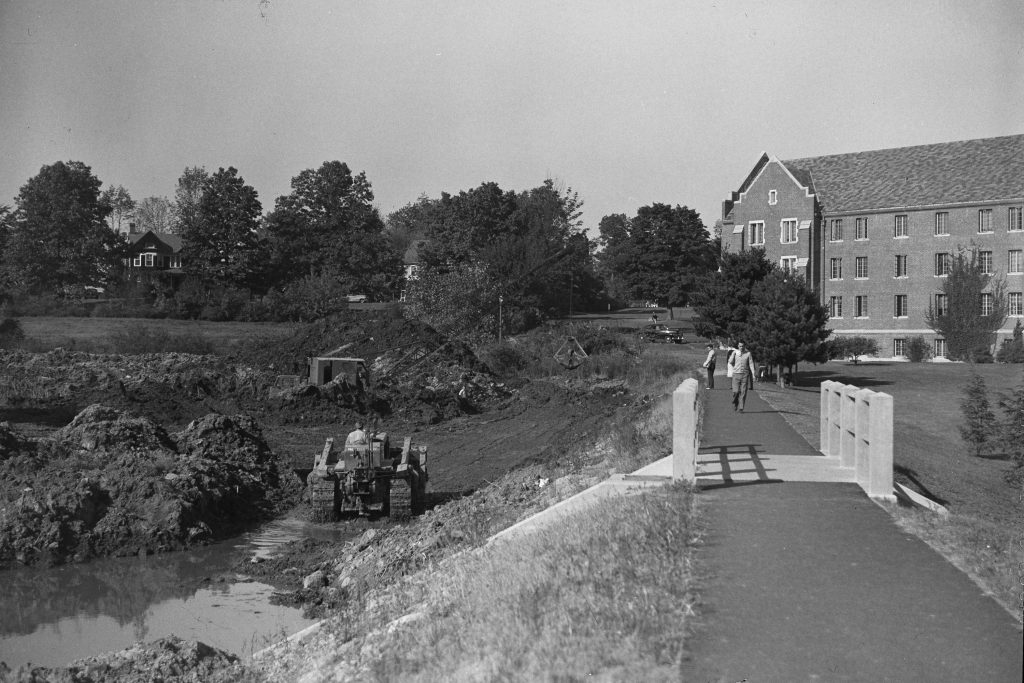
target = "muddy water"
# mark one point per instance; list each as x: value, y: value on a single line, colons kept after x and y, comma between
x: 49, y: 617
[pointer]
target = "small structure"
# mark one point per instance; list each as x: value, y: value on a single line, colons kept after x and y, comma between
x: 324, y: 369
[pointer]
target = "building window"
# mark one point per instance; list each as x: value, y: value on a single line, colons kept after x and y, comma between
x: 836, y: 273
x: 986, y: 304
x: 788, y: 264
x: 900, y: 226
x: 773, y: 197
x: 176, y: 262
x: 899, y: 306
x: 789, y: 231
x: 860, y: 267
x: 985, y: 220
x: 943, y: 264
x: 835, y: 307
x: 901, y: 266
x: 149, y: 260
x: 985, y: 261
x: 1015, y: 304
x: 941, y: 307
x: 860, y: 307
x: 942, y: 223
x: 940, y: 348
x: 137, y: 261
x: 899, y: 348
x: 862, y: 229
x: 1014, y: 263
x: 757, y: 232
x: 1013, y: 219
x: 836, y: 232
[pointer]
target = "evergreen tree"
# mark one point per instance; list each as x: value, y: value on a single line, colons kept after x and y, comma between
x: 722, y: 299
x: 968, y: 328
x: 1012, y: 428
x: 980, y: 428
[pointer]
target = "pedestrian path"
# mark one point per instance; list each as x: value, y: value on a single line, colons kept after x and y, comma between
x: 812, y: 581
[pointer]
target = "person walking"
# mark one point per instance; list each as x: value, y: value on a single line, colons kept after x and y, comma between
x: 709, y: 363
x: 743, y: 370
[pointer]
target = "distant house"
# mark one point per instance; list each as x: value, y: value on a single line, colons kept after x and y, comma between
x: 154, y: 257
x: 874, y: 232
x: 412, y: 262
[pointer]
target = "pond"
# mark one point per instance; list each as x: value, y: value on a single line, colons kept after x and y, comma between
x: 49, y: 617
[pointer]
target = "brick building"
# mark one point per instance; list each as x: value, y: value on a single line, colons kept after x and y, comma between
x: 873, y: 232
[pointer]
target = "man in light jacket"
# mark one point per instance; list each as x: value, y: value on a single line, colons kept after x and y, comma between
x: 742, y: 371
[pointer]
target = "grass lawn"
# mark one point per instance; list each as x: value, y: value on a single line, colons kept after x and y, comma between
x: 89, y: 334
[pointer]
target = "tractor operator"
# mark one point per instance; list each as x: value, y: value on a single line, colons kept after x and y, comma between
x: 357, y: 435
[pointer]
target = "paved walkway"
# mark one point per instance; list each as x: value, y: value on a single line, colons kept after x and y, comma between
x: 809, y: 581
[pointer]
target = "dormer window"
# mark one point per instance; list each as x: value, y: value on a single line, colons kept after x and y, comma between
x: 773, y: 197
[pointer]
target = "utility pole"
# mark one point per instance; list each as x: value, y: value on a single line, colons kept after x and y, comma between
x: 570, y: 295
x: 501, y: 300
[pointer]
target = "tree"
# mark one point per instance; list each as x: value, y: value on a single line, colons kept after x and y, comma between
x: 665, y: 252
x: 972, y: 315
x: 58, y: 240
x: 1012, y: 429
x: 220, y: 243
x: 722, y: 299
x: 187, y: 197
x: 980, y: 428
x: 785, y: 324
x: 122, y: 206
x: 852, y: 348
x: 1012, y: 350
x: 156, y: 214
x: 328, y: 225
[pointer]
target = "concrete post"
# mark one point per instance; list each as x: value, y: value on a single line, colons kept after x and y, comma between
x: 684, y: 431
x: 864, y: 435
x: 823, y: 415
x: 879, y: 482
x: 848, y: 425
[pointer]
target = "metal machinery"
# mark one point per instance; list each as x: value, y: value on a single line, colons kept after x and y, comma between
x: 368, y: 478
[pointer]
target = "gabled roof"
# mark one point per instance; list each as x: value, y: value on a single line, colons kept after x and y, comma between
x: 989, y: 169
x: 412, y: 254
x: 171, y: 240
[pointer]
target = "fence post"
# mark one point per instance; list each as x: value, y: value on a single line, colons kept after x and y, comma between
x: 828, y: 419
x: 848, y: 426
x: 879, y: 483
x: 864, y: 435
x: 684, y: 431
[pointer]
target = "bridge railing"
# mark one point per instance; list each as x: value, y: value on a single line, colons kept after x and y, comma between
x: 857, y: 426
x: 685, y: 439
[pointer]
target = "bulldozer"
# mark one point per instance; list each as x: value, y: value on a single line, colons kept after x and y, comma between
x: 367, y: 478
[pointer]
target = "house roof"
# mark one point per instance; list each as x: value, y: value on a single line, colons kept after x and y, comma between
x: 412, y: 254
x: 989, y: 169
x: 171, y: 240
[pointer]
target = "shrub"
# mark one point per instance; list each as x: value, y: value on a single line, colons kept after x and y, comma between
x: 11, y: 333
x: 852, y: 348
x: 980, y: 427
x: 139, y: 339
x: 504, y: 359
x: 1012, y: 350
x: 918, y: 350
x: 1012, y: 429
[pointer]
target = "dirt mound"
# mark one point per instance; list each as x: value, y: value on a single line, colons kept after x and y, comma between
x: 112, y: 483
x: 167, y: 659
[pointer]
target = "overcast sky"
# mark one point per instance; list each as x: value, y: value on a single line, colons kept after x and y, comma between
x: 628, y: 103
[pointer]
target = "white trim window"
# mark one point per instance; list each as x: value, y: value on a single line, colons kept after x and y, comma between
x: 986, y: 304
x: 941, y: 305
x: 942, y: 223
x: 149, y: 260
x: 984, y: 220
x: 860, y: 306
x: 861, y: 232
x: 1013, y: 219
x: 899, y: 348
x: 899, y: 306
x: 940, y: 348
x: 899, y: 226
x: 835, y: 233
x: 836, y: 269
x: 1015, y: 304
x: 756, y: 232
x: 137, y: 261
x: 860, y: 266
x: 773, y: 197
x: 943, y: 264
x: 835, y: 307
x: 789, y: 231
x: 985, y: 261
x: 788, y: 264
x: 900, y: 266
x: 1014, y: 261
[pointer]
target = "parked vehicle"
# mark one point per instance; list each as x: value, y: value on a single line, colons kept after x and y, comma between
x: 662, y: 334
